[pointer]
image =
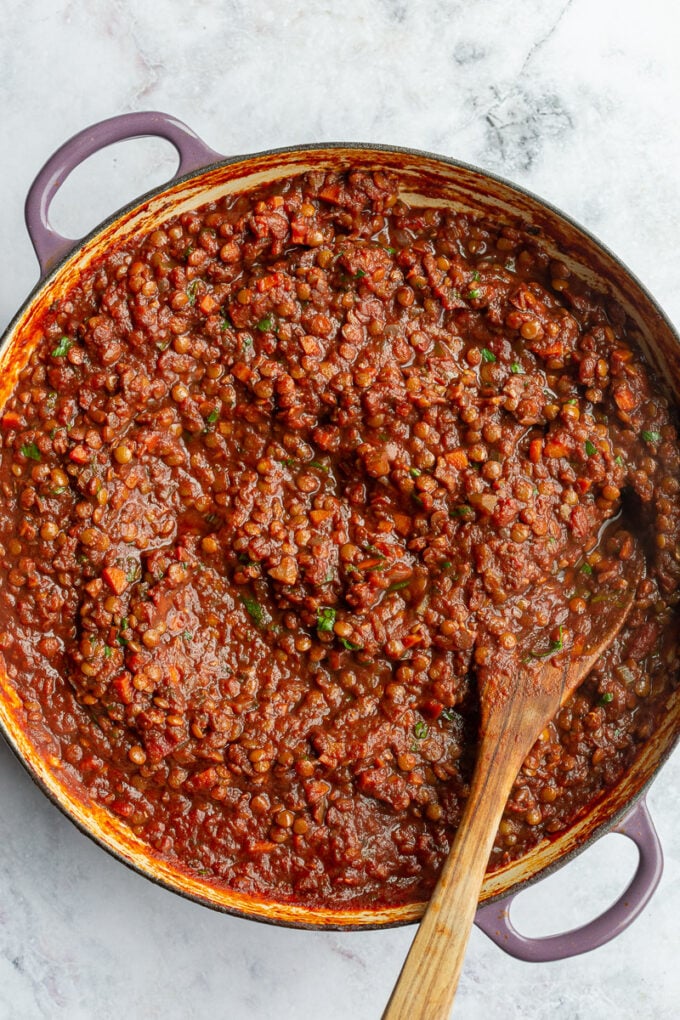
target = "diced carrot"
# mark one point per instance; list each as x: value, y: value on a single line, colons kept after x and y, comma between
x: 411, y: 639
x: 555, y: 350
x: 554, y: 449
x: 12, y: 420
x: 80, y: 455
x: 266, y: 283
x: 318, y: 516
x: 124, y: 688
x: 241, y: 371
x: 625, y: 398
x: 208, y: 304
x: 457, y: 458
x: 116, y: 579
x: 261, y: 846
x: 535, y: 450
x: 370, y: 563
x: 402, y: 524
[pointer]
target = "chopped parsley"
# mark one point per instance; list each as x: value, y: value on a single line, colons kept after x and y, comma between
x: 461, y: 511
x: 63, y: 347
x: 414, y: 472
x: 266, y: 324
x: 516, y: 368
x: 476, y: 277
x: 398, y: 585
x: 606, y: 698
x: 187, y: 635
x: 226, y: 322
x: 586, y: 568
x: 349, y: 645
x: 488, y: 355
x: 591, y: 449
x: 473, y: 294
x: 390, y: 250
x: 618, y: 460
x: 213, y: 416
x: 421, y: 730
x: 325, y: 619
x: 31, y: 451
x: 257, y: 613
x: 191, y: 292
x: 555, y: 646
x: 359, y: 274
x: 108, y: 651
x: 448, y: 714
x: 122, y: 640
x: 651, y: 437
x: 318, y: 464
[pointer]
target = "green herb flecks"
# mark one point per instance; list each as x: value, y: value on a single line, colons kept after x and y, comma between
x: 487, y: 355
x: 108, y: 651
x: 31, y: 451
x: 257, y: 612
x: 448, y: 714
x: 359, y: 275
x: 475, y: 276
x: 349, y: 645
x: 318, y: 464
x: 213, y: 416
x: 555, y: 647
x: 191, y: 292
x: 415, y: 472
x: 63, y: 347
x: 606, y: 698
x: 421, y: 730
x: 619, y: 460
x: 591, y: 449
x: 325, y: 619
x: 651, y: 437
x: 461, y: 511
x: 516, y: 368
x: 266, y: 324
x: 473, y: 295
x: 586, y: 568
x: 398, y: 585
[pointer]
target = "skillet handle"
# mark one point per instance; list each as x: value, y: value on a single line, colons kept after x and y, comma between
x: 494, y: 919
x: 48, y: 244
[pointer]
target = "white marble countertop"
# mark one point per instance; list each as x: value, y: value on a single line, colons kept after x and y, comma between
x: 573, y: 99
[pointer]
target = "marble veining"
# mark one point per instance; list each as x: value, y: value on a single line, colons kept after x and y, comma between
x: 574, y: 100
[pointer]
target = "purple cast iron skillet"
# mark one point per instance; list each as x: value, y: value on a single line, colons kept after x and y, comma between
x: 204, y: 175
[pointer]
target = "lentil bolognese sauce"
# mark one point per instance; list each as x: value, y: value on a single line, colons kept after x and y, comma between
x: 282, y: 482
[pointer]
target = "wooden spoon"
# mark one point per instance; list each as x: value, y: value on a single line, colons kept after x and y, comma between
x: 512, y: 717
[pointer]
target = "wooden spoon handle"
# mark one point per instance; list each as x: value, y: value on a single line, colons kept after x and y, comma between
x: 429, y: 977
